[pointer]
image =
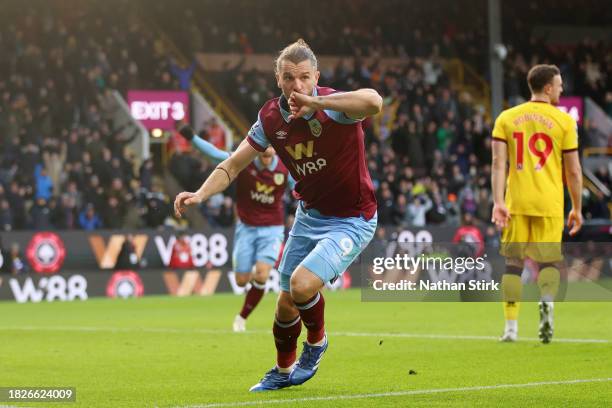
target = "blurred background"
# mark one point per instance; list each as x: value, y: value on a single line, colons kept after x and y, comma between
x: 92, y: 93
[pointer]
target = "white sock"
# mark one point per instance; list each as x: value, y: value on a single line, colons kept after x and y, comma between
x: 512, y: 325
x: 285, y: 370
x: 318, y: 343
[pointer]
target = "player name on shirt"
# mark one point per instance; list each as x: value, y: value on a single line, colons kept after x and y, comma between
x: 533, y: 117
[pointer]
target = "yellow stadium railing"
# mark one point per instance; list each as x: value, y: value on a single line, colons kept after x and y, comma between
x: 599, y: 151
x: 464, y: 78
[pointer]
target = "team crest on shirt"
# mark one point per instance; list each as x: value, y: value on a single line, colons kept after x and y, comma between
x: 279, y: 178
x: 315, y: 127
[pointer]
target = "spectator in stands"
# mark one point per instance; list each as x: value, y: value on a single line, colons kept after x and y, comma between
x: 128, y: 256
x: 113, y: 213
x: 94, y: 193
x: 6, y: 216
x: 146, y: 175
x: 438, y: 212
x: 16, y: 199
x: 13, y: 261
x: 40, y: 214
x: 385, y: 205
x: 492, y: 237
x: 400, y: 211
x: 484, y: 206
x: 88, y: 219
x: 156, y: 210
x: 417, y: 210
x: 177, y: 143
x: 215, y: 134
x: 67, y: 213
x: 183, y: 74
x: 226, y: 216
x: 44, y: 185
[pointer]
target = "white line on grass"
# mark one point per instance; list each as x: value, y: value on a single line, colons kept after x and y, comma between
x: 268, y: 332
x: 396, y: 393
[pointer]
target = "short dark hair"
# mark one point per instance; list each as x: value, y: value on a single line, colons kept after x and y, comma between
x: 541, y: 75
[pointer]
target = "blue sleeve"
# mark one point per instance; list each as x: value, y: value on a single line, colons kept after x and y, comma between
x: 256, y: 136
x: 191, y: 68
x: 174, y: 68
x: 290, y: 181
x: 341, y: 117
x: 209, y: 150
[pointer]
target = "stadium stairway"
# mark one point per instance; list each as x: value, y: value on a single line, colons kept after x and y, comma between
x: 223, y: 108
x: 231, y: 116
x: 465, y: 79
x: 592, y: 158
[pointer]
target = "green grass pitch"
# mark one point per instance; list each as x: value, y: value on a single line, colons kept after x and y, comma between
x: 167, y: 352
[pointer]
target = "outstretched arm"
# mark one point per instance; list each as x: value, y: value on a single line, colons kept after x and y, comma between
x: 355, y: 104
x: 209, y: 150
x: 219, y: 180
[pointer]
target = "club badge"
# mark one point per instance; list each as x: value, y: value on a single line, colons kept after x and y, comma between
x: 279, y: 178
x: 315, y: 127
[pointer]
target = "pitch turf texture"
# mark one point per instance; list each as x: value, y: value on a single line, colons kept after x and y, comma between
x: 170, y: 352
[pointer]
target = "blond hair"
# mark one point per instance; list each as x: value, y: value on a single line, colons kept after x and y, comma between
x: 296, y: 52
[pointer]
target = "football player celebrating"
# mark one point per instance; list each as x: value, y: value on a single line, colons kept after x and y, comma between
x: 317, y: 134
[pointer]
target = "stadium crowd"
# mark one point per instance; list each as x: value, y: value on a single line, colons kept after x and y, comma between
x: 428, y: 152
x: 585, y: 64
x: 63, y: 164
x: 446, y: 28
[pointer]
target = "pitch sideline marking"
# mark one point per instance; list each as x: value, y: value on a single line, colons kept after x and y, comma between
x: 396, y: 393
x: 268, y: 332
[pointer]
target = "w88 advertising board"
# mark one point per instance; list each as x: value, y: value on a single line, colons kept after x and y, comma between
x: 64, y: 266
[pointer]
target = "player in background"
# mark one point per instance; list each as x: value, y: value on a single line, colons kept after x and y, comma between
x: 317, y: 134
x: 181, y: 254
x: 538, y: 142
x: 469, y: 236
x: 260, y: 228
